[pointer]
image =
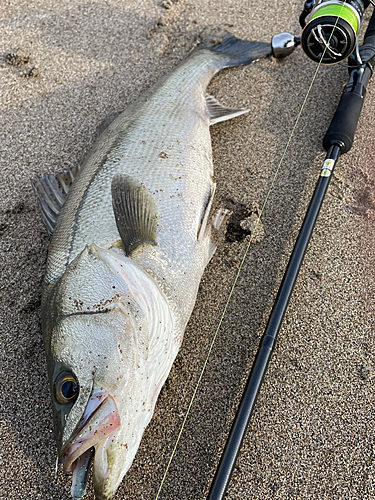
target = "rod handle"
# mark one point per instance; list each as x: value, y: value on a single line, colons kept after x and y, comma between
x: 344, y: 122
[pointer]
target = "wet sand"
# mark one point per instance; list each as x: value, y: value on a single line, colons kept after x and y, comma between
x: 64, y: 67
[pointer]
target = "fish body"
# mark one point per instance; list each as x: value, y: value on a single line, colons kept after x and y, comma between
x: 129, y: 247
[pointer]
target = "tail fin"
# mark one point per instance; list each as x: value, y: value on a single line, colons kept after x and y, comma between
x: 235, y: 52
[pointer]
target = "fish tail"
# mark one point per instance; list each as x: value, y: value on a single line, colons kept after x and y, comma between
x: 236, y: 52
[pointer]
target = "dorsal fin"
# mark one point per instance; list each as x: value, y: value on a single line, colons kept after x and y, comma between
x: 135, y: 212
x: 51, y: 191
x: 219, y: 113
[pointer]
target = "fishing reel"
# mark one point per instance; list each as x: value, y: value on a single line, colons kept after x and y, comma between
x: 332, y: 28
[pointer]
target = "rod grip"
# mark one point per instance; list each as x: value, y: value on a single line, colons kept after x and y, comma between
x: 344, y: 122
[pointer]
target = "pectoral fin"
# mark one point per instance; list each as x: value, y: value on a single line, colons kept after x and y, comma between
x: 135, y: 213
x: 219, y: 113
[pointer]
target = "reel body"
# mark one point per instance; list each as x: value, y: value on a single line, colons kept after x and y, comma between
x: 333, y: 27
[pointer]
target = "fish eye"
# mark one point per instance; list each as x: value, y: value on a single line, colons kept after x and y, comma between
x: 66, y: 388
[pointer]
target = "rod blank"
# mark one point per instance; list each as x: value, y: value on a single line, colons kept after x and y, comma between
x: 249, y: 397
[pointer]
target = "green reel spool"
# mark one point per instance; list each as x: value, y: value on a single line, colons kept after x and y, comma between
x: 331, y: 34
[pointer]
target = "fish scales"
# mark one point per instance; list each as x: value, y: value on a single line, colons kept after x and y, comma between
x: 127, y: 254
x: 141, y: 135
x: 174, y: 121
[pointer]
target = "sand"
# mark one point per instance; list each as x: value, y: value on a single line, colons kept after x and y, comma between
x: 65, y: 66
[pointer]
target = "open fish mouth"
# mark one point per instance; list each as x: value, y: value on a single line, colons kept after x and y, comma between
x: 100, y: 421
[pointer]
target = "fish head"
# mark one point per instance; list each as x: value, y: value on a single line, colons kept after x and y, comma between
x: 108, y: 360
x: 99, y: 387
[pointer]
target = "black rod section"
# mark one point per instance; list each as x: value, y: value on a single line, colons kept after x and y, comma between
x: 249, y: 397
x: 338, y: 140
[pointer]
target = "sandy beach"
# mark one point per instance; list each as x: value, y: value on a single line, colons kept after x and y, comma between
x: 66, y: 65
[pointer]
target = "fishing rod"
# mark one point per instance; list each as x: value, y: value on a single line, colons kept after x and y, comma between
x: 330, y: 36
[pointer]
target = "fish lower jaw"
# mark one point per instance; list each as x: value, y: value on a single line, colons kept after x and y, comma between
x: 102, y: 472
x: 99, y: 496
x: 104, y: 496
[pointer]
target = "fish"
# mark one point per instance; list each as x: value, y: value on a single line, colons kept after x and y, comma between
x: 131, y: 233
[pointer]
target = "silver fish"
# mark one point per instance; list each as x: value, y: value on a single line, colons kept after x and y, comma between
x: 131, y: 239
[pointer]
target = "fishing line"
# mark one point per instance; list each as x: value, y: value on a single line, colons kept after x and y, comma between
x: 244, y: 257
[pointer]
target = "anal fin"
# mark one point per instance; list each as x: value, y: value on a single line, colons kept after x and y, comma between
x: 220, y: 222
x: 204, y: 221
x: 135, y: 213
x: 219, y: 113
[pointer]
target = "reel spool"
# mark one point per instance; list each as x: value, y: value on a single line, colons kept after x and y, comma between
x: 333, y: 27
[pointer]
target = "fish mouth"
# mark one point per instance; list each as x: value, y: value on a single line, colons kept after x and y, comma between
x: 98, y: 424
